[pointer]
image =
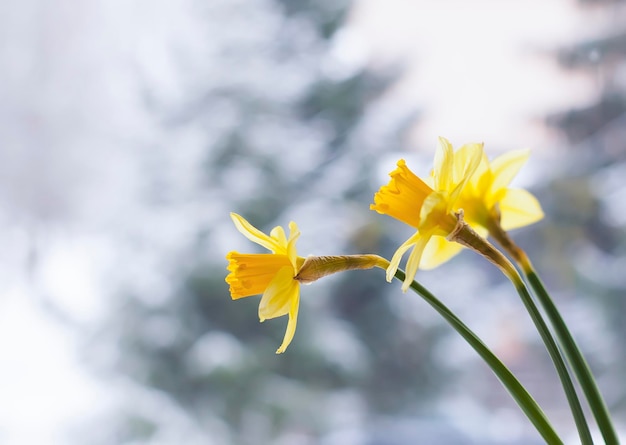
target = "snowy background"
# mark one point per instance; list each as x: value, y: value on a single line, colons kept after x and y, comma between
x: 129, y: 131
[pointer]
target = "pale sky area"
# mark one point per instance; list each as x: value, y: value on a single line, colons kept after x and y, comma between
x: 480, y: 68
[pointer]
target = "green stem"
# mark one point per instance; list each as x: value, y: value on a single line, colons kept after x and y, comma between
x: 469, y: 238
x: 508, y: 380
x: 577, y: 361
x: 557, y: 359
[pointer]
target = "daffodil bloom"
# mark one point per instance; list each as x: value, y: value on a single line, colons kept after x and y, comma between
x: 487, y: 199
x: 278, y: 275
x: 489, y: 206
x: 270, y: 274
x: 427, y: 206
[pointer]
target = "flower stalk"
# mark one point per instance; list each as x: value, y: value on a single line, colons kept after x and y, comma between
x: 572, y: 352
x: 466, y: 236
x: 519, y: 393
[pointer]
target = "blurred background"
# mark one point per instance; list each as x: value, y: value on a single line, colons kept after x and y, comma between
x: 130, y: 129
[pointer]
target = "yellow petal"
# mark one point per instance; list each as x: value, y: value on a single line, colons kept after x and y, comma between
x: 435, y: 217
x: 481, y: 170
x: 397, y: 256
x: 413, y: 263
x: 519, y: 208
x: 279, y: 294
x: 294, y: 234
x: 464, y: 157
x: 505, y: 167
x: 291, y: 324
x: 483, y: 186
x: 471, y: 158
x: 278, y: 234
x: 443, y: 165
x: 438, y: 251
x: 255, y: 235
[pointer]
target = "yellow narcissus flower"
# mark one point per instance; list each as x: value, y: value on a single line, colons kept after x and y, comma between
x: 489, y: 206
x: 278, y: 275
x: 270, y: 274
x: 488, y: 198
x: 428, y: 208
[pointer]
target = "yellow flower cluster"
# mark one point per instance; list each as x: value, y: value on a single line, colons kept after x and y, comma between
x: 462, y: 184
x: 463, y: 188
